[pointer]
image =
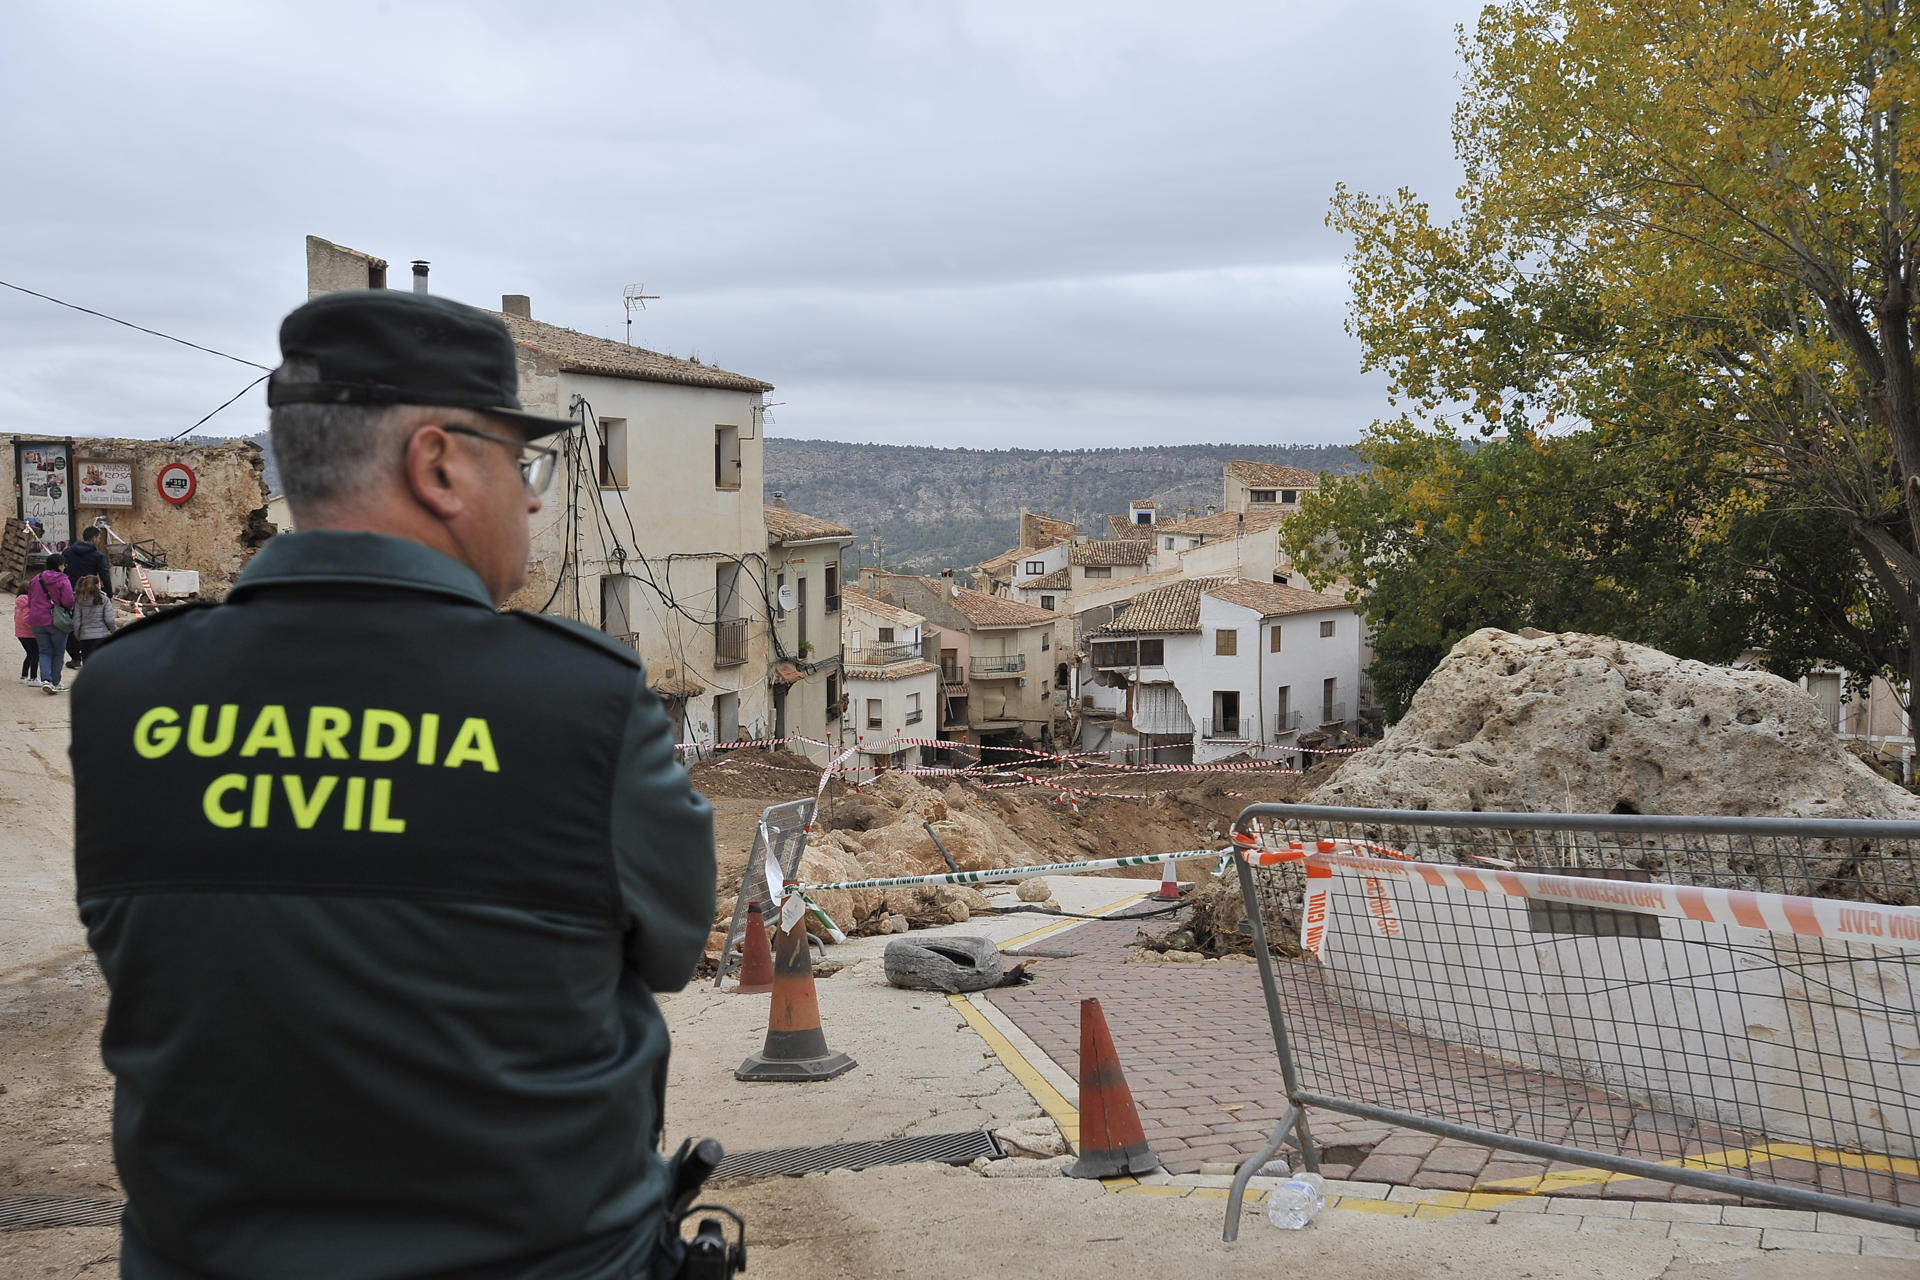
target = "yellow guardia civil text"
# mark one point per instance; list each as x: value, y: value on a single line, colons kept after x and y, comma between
x: 353, y: 802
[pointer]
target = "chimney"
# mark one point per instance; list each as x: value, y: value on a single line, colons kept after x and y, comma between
x: 778, y: 500
x: 419, y: 275
x: 517, y: 304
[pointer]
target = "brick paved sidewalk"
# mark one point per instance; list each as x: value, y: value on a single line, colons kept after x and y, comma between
x: 1198, y: 1053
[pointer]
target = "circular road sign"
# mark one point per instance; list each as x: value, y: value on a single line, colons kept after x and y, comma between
x: 176, y: 482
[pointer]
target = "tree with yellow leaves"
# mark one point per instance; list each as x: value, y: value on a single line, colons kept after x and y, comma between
x: 1687, y: 229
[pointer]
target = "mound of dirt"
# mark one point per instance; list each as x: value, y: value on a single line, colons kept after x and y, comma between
x: 880, y: 829
x: 752, y: 773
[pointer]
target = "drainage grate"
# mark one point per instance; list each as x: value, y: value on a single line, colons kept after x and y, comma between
x: 21, y: 1212
x: 932, y: 1148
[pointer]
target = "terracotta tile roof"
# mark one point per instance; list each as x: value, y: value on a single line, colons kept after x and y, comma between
x: 854, y: 598
x: 1225, y: 524
x: 583, y: 353
x: 1059, y: 580
x: 1143, y: 504
x: 1128, y: 551
x: 983, y: 610
x: 1175, y: 607
x: 1271, y: 475
x: 1271, y: 600
x: 1120, y: 590
x: 1125, y: 529
x: 898, y: 671
x: 793, y: 526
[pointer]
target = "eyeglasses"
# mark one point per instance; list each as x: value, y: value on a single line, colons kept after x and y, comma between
x: 537, y: 470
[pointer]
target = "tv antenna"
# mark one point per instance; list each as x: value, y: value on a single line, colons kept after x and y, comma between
x: 635, y: 297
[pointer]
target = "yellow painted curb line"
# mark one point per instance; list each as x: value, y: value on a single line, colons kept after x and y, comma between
x: 1046, y: 930
x: 1055, y: 1104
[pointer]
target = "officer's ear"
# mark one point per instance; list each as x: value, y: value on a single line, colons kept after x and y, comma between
x: 435, y: 468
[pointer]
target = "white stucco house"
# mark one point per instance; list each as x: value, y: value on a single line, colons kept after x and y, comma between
x: 806, y: 683
x: 653, y: 529
x: 1205, y: 668
x: 893, y: 690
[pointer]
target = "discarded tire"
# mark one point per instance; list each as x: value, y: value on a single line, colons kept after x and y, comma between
x: 948, y: 964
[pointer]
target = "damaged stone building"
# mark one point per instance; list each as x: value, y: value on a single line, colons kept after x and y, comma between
x: 196, y: 512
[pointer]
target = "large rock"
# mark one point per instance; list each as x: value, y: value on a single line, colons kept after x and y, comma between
x: 1590, y: 724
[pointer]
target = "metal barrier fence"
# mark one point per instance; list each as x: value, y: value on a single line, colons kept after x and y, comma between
x: 781, y: 836
x: 1722, y: 1003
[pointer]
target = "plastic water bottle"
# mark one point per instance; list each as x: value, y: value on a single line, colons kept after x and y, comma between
x: 1292, y: 1204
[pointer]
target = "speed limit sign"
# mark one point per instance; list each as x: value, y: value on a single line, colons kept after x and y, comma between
x: 176, y: 482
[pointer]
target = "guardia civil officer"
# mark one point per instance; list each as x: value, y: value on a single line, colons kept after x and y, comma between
x: 383, y: 880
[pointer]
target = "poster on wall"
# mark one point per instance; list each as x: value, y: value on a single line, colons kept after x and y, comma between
x: 103, y: 484
x: 45, y: 489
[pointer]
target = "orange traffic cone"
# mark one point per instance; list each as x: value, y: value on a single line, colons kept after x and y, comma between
x: 796, y: 1048
x: 1111, y: 1141
x: 1169, y: 882
x: 756, y: 956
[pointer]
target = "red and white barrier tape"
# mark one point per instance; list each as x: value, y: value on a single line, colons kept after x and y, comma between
x: 1833, y: 919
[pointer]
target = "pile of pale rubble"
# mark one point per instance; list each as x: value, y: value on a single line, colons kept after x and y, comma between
x: 1568, y: 723
x: 897, y: 810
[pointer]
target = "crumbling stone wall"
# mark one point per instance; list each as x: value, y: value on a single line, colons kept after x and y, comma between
x: 215, y: 532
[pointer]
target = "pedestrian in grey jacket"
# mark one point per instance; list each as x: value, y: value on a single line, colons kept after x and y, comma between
x: 92, y: 615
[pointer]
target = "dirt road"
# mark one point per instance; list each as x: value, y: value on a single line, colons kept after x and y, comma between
x: 55, y: 1098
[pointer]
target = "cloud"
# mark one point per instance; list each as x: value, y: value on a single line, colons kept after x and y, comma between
x: 1114, y: 208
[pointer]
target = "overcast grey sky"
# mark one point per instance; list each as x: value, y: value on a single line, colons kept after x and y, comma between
x: 1058, y: 225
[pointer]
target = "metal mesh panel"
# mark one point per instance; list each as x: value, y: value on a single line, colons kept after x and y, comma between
x: 1760, y: 1038
x: 785, y: 826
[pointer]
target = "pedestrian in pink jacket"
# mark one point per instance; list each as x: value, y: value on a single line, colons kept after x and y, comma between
x: 49, y: 588
x: 23, y: 632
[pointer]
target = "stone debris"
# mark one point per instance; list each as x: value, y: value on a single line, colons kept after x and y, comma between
x: 1051, y: 1167
x: 1038, y: 1138
x: 1034, y: 890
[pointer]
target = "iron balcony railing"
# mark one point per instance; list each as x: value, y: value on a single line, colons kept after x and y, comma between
x: 914, y: 717
x: 833, y: 603
x: 880, y: 655
x: 1333, y: 713
x: 1007, y: 664
x: 1224, y: 728
x: 729, y: 642
x: 1287, y: 722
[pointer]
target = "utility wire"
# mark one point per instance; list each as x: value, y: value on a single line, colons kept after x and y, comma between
x: 235, y: 396
x: 74, y: 306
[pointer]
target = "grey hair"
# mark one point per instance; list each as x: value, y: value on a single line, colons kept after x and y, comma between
x: 326, y: 452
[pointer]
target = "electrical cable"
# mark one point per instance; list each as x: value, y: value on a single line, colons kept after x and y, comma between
x: 223, y: 404
x: 74, y: 306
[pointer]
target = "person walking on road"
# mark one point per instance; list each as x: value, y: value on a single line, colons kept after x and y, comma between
x: 84, y: 559
x: 23, y: 632
x: 92, y: 615
x: 382, y: 951
x: 50, y: 595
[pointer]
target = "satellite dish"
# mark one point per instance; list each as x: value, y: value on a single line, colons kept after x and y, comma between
x: 786, y: 597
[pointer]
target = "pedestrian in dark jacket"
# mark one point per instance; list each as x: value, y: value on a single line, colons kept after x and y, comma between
x: 382, y: 950
x: 84, y: 559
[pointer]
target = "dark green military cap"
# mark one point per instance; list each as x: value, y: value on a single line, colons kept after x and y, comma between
x: 383, y: 346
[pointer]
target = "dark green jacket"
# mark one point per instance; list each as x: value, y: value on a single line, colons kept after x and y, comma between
x: 382, y: 882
